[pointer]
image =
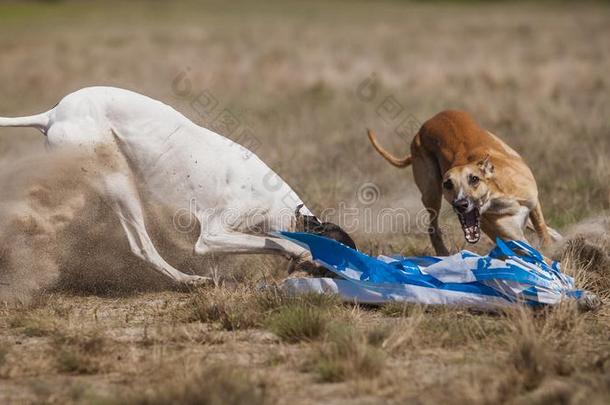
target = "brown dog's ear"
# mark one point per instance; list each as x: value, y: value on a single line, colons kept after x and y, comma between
x: 487, y: 168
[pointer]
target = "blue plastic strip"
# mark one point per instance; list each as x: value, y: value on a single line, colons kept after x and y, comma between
x: 521, y: 265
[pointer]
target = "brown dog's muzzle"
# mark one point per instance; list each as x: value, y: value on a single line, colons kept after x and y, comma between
x: 470, y: 219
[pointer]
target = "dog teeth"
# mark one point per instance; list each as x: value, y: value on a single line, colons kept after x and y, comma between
x: 472, y: 234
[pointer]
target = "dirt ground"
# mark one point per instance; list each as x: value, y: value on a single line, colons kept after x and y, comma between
x: 85, y: 322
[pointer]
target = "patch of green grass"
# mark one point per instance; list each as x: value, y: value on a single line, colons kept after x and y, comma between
x: 298, y: 322
x: 303, y: 317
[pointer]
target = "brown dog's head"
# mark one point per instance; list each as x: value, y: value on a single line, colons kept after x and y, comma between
x: 467, y: 189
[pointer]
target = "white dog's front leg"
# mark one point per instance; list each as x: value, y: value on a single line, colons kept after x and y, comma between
x: 126, y: 204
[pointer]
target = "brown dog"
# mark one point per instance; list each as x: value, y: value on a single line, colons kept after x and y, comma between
x: 487, y: 182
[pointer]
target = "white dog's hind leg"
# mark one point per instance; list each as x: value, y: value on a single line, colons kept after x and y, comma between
x: 224, y: 241
x: 217, y: 236
x: 125, y: 202
x: 233, y: 242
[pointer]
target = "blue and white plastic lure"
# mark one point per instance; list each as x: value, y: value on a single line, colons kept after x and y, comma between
x: 512, y: 272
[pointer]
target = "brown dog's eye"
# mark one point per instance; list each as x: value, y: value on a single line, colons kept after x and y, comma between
x: 448, y: 185
x: 474, y: 180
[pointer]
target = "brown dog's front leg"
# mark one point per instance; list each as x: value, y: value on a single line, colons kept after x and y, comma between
x: 436, y: 236
x: 539, y: 224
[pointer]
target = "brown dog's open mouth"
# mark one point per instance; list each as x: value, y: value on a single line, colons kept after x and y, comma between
x: 471, y: 225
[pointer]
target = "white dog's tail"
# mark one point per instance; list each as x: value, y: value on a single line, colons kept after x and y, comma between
x: 40, y: 121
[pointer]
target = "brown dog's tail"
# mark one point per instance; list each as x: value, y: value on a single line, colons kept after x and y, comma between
x: 398, y: 162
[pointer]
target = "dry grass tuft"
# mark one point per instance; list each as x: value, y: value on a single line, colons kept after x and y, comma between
x: 34, y: 324
x: 298, y: 322
x: 587, y: 253
x: 439, y: 326
x: 400, y: 336
x: 72, y: 361
x: 540, y: 344
x: 529, y: 354
x: 232, y: 309
x: 79, y: 353
x: 215, y: 385
x: 346, y: 353
x: 455, y: 328
x: 3, y: 354
x: 92, y: 342
x: 396, y: 309
x: 588, y: 261
x: 291, y: 318
x: 302, y: 318
x: 540, y: 358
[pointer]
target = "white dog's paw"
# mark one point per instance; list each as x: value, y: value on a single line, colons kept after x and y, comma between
x: 197, y: 281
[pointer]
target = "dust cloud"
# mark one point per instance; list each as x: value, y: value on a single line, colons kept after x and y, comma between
x: 57, y: 232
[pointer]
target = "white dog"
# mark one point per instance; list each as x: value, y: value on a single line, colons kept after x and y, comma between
x: 236, y: 198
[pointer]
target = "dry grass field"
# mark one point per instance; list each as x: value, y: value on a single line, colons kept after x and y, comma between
x: 85, y: 322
